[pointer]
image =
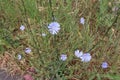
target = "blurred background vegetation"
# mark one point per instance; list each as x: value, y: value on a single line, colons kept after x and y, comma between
x: 100, y: 35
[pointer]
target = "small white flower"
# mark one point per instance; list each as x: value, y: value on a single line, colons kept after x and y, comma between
x: 22, y: 27
x: 86, y: 57
x: 43, y: 34
x: 63, y: 57
x: 19, y: 56
x: 82, y: 20
x: 54, y: 27
x: 27, y: 50
x: 78, y: 53
x: 115, y: 8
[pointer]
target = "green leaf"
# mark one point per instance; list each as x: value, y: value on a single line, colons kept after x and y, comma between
x: 4, y: 43
x: 112, y: 76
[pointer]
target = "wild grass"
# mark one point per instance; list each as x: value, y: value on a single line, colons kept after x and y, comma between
x: 100, y: 36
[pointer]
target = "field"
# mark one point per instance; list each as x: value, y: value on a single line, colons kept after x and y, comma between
x: 60, y: 39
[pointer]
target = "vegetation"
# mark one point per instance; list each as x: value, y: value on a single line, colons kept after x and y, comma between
x: 99, y: 35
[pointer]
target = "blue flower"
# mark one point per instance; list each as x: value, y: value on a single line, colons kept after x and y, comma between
x: 104, y: 65
x: 78, y: 53
x: 27, y: 50
x: 54, y: 27
x: 22, y: 27
x: 86, y: 57
x: 82, y: 20
x: 63, y: 57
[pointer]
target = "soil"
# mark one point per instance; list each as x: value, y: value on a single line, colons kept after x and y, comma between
x: 6, y: 76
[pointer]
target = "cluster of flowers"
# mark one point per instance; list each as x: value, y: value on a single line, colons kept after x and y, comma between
x: 27, y: 51
x: 54, y: 28
x: 86, y: 57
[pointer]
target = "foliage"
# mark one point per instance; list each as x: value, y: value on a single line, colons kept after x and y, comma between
x: 100, y: 36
